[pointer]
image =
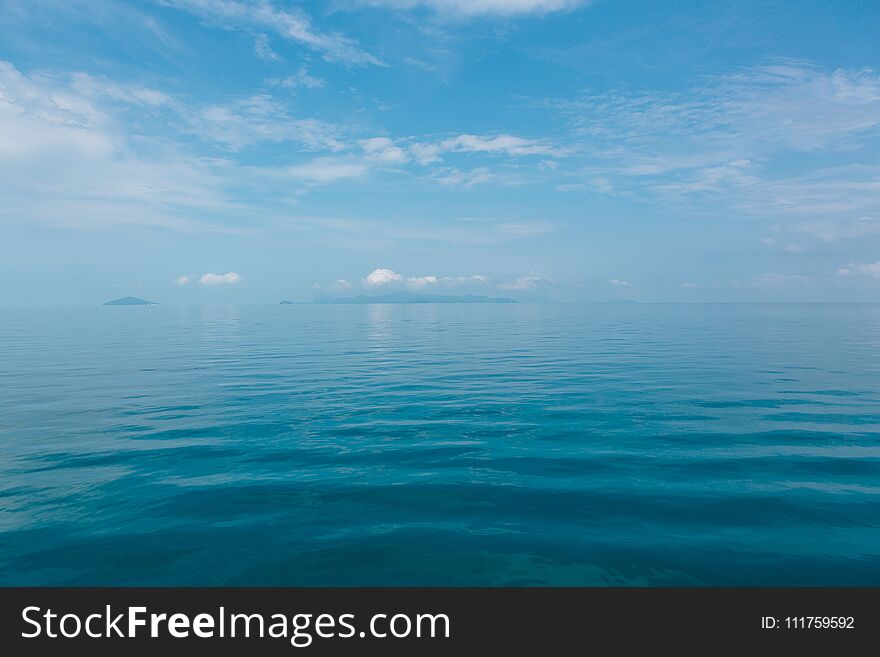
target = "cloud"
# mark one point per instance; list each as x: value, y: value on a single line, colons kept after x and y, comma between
x: 328, y: 170
x: 292, y: 24
x: 302, y: 79
x: 89, y: 86
x: 867, y: 269
x: 599, y: 184
x: 689, y: 286
x: 513, y: 146
x: 263, y: 50
x: 183, y: 280
x: 526, y: 228
x: 485, y: 8
x: 475, y: 278
x: 420, y: 282
x: 616, y: 282
x: 834, y: 230
x: 383, y: 149
x: 720, y: 141
x: 64, y: 160
x: 259, y: 119
x: 339, y: 285
x: 530, y: 281
x: 785, y: 106
x: 229, y: 278
x: 379, y: 277
x: 382, y: 277
x: 772, y: 279
x: 478, y: 176
x: 602, y: 185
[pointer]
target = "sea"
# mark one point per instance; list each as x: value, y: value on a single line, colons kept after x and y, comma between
x: 441, y: 444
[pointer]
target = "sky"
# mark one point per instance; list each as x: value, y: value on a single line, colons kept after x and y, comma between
x: 248, y: 151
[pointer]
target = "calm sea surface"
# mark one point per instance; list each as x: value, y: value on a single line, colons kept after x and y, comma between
x: 441, y: 444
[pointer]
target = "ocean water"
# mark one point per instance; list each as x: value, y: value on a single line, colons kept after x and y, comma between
x: 441, y: 445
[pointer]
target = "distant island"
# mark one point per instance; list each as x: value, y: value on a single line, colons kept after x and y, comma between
x: 408, y: 297
x: 130, y: 301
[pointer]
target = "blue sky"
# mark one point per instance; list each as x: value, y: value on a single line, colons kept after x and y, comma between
x: 237, y: 151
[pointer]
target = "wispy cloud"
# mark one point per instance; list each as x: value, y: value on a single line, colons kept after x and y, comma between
x: 486, y: 8
x: 259, y: 118
x: 720, y: 141
x: 773, y: 279
x: 328, y: 169
x: 383, y: 149
x: 184, y: 279
x: 288, y: 23
x: 92, y: 87
x: 865, y: 269
x: 531, y: 281
x: 527, y: 228
x: 511, y: 145
x: 65, y: 162
x: 229, y: 278
x: 302, y: 79
x: 616, y: 282
x: 457, y: 177
x: 835, y: 230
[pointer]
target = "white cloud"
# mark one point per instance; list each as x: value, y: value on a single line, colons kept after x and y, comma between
x: 229, y: 278
x: 259, y: 118
x: 526, y: 228
x: 866, y: 269
x: 339, y: 285
x: 602, y: 185
x: 478, y: 176
x: 475, y: 278
x: 65, y: 162
x: 384, y: 150
x: 452, y: 281
x: 89, y: 86
x: 183, y: 280
x: 421, y: 282
x: 263, y: 50
x: 473, y: 8
x: 292, y: 24
x: 327, y: 170
x: 791, y: 105
x: 381, y: 276
x: 833, y: 230
x: 530, y: 281
x: 721, y: 139
x: 302, y: 79
x: 773, y: 279
x: 689, y: 286
x: 428, y: 153
x: 616, y: 282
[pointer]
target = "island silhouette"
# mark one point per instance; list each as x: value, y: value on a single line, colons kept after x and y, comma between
x: 130, y: 301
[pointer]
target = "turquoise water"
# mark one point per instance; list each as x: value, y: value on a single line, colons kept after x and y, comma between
x: 441, y: 444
